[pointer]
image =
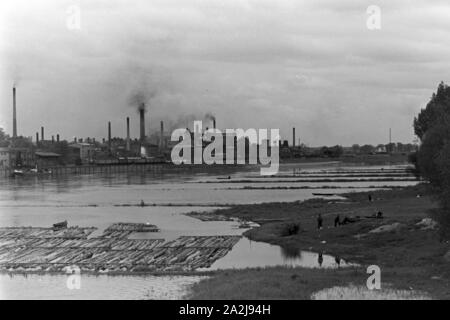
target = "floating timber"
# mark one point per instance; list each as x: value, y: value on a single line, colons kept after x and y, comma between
x: 32, y: 232
x: 123, y: 230
x: 44, y: 250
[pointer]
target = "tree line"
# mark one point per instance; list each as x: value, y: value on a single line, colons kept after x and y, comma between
x: 432, y: 126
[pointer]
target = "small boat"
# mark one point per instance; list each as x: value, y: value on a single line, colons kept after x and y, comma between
x: 18, y: 172
x: 60, y: 225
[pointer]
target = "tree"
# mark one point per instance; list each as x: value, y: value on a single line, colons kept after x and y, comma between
x: 367, y: 149
x: 434, y: 140
x: 432, y: 126
x: 4, y: 138
x: 438, y: 107
x: 356, y: 148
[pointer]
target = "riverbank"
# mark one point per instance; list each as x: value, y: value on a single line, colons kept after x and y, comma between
x: 410, y: 255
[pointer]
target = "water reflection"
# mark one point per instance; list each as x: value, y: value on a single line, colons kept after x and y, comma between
x: 251, y: 254
x: 290, y: 253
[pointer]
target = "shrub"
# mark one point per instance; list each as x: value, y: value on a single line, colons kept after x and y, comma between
x: 290, y: 229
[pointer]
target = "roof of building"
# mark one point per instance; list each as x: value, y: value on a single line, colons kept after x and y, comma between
x: 44, y: 154
x: 81, y: 145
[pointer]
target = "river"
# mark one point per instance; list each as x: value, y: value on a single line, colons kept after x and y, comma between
x: 98, y: 200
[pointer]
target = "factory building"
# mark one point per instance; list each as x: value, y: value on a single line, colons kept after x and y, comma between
x: 83, y: 151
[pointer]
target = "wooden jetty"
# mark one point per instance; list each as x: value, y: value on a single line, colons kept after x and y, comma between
x: 45, y: 250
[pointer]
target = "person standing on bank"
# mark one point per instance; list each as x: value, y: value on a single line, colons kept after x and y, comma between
x: 319, y: 222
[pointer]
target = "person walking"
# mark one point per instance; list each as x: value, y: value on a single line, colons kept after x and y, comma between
x: 319, y: 221
x: 337, y: 221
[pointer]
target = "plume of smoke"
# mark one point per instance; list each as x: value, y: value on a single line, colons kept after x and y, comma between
x: 183, y: 121
x: 141, y: 98
x: 210, y: 116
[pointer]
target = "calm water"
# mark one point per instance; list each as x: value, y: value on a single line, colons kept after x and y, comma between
x: 92, y: 201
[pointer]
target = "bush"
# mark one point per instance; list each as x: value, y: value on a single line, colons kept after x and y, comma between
x: 290, y: 229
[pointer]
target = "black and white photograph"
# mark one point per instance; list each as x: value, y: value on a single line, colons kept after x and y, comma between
x: 241, y: 151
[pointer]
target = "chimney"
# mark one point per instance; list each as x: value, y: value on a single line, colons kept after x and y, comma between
x: 14, y: 114
x: 42, y: 133
x: 57, y: 137
x: 142, y: 120
x: 37, y: 138
x: 128, y: 134
x: 161, y: 136
x: 109, y: 136
x: 214, y: 123
x: 293, y: 137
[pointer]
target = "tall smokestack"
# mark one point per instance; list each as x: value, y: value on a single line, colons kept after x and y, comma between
x: 128, y: 134
x: 109, y: 136
x: 142, y: 121
x: 293, y: 137
x: 57, y: 137
x: 42, y: 133
x: 214, y: 123
x: 161, y: 136
x: 37, y: 138
x: 14, y: 114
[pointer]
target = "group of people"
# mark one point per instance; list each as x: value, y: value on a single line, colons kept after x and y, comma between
x: 320, y: 259
x: 337, y: 220
x: 346, y: 220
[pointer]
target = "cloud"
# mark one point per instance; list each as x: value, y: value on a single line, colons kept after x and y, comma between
x: 264, y: 63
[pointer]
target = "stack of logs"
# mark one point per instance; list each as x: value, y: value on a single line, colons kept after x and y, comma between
x: 123, y: 230
x: 42, y: 249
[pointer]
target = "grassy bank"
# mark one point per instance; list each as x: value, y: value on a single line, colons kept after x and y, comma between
x: 409, y: 256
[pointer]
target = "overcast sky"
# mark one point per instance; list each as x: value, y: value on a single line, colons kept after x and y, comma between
x: 253, y: 63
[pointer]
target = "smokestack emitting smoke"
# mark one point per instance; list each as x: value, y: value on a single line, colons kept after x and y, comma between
x: 128, y: 134
x: 57, y: 137
x: 109, y: 136
x: 37, y: 138
x: 42, y: 133
x: 293, y: 137
x: 142, y: 121
x: 161, y: 137
x: 210, y: 116
x: 14, y: 114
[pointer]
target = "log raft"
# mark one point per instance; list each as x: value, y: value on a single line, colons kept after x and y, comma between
x: 45, y: 250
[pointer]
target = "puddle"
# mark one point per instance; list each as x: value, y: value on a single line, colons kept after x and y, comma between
x: 251, y: 254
